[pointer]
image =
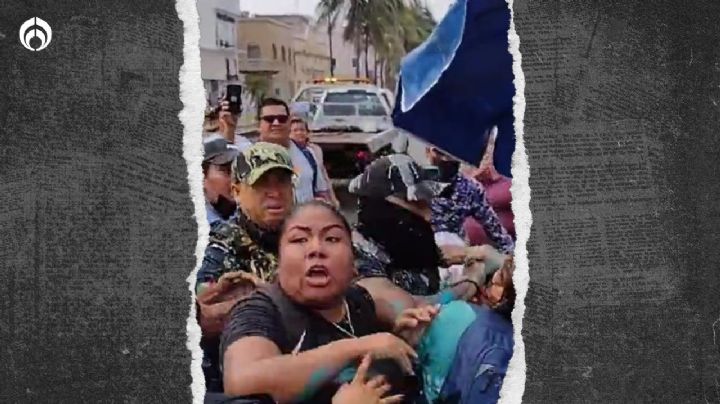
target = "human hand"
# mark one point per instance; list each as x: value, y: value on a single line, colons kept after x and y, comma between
x: 362, y: 391
x: 388, y: 346
x: 230, y: 279
x: 228, y: 120
x: 411, y: 324
x: 492, y: 258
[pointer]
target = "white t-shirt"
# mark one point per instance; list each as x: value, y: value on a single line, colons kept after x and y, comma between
x: 304, y: 173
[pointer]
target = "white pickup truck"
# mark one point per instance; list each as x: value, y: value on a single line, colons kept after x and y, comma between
x: 351, y: 123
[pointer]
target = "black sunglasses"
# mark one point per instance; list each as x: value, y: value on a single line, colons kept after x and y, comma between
x: 272, y: 118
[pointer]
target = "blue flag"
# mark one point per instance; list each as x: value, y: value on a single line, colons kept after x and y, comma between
x: 458, y: 84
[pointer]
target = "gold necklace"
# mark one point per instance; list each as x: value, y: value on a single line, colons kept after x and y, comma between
x: 350, y: 333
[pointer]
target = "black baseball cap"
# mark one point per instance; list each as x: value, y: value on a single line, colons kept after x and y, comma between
x: 218, y: 151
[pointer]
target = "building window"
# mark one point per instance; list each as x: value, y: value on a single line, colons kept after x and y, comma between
x: 224, y: 31
x: 232, y: 69
x: 274, y: 52
x: 277, y: 92
x: 282, y: 52
x: 354, y: 62
x: 214, y: 90
x: 253, y: 51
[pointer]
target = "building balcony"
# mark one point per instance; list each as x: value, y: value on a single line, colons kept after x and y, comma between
x: 260, y: 66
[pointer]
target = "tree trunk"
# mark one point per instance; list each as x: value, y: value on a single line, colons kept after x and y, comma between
x: 375, y: 67
x: 330, y: 32
x: 367, y: 44
x: 357, y: 55
x: 382, y: 73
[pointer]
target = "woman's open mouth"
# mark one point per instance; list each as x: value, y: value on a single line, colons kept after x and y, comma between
x: 317, y: 276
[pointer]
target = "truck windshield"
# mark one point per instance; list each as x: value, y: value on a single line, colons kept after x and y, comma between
x: 362, y: 103
x: 312, y: 94
x: 339, y: 110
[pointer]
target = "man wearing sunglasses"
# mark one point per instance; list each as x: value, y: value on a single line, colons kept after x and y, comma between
x: 274, y: 117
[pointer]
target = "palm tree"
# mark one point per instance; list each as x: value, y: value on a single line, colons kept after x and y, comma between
x: 379, y: 24
x: 329, y: 10
x: 258, y: 86
x: 391, y: 27
x: 355, y: 19
x: 414, y: 24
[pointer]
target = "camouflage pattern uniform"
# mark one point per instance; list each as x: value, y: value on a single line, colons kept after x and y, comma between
x: 239, y: 244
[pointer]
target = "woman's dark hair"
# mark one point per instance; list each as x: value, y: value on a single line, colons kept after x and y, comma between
x: 318, y: 204
x: 267, y: 102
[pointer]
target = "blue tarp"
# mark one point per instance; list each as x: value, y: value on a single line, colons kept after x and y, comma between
x: 458, y: 84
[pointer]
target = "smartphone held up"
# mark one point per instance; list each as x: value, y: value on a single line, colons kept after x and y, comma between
x: 233, y: 94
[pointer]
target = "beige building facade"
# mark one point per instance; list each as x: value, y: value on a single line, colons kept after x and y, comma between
x: 290, y: 49
x: 311, y: 55
x: 268, y: 45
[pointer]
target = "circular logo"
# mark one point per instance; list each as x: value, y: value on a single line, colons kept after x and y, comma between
x: 35, y: 34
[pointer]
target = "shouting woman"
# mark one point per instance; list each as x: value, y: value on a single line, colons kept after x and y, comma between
x: 299, y: 340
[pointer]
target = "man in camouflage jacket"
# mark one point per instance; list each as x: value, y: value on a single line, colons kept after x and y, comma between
x: 242, y: 252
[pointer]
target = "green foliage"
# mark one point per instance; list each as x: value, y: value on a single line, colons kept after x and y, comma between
x: 392, y: 27
x: 258, y: 85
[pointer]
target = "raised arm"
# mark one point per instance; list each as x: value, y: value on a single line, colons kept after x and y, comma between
x: 486, y: 216
x: 391, y: 300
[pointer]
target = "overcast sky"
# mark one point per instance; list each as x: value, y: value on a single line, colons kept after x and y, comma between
x: 307, y: 7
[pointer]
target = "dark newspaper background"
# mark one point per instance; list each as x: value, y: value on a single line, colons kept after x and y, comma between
x: 621, y: 129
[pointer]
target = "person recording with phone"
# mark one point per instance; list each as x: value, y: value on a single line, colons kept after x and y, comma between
x: 222, y: 119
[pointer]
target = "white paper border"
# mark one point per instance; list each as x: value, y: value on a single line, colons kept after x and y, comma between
x: 192, y: 95
x: 514, y: 384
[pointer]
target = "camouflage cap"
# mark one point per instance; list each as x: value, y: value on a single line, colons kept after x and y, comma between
x: 258, y: 159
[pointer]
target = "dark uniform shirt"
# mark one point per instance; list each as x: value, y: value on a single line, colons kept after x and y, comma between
x: 259, y: 315
x: 237, y: 245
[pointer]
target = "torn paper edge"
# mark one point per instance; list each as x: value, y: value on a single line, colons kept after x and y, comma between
x: 514, y: 384
x: 192, y: 96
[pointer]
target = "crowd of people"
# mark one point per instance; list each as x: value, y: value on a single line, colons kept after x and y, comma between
x: 411, y: 304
